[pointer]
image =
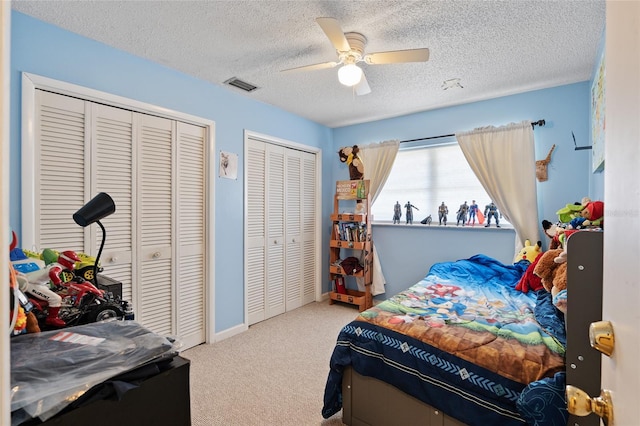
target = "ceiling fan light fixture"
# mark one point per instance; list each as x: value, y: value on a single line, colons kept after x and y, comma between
x: 350, y: 74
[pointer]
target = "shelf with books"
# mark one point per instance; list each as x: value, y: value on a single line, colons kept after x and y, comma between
x: 350, y: 243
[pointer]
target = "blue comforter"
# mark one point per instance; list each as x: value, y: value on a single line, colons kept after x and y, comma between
x: 462, y: 340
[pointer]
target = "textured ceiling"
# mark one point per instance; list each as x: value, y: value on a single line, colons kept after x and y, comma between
x: 495, y: 48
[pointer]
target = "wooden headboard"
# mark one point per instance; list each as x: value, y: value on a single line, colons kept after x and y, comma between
x: 584, y: 306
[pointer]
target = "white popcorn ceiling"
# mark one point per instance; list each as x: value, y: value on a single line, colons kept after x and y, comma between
x: 495, y: 48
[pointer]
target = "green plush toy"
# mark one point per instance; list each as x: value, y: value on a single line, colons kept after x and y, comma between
x: 570, y: 212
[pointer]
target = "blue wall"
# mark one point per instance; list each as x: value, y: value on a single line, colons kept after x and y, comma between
x: 46, y: 50
x: 407, y: 254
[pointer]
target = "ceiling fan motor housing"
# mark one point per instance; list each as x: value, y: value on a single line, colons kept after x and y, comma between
x: 357, y: 42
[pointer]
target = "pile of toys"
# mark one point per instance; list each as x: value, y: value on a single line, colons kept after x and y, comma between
x: 586, y: 214
x: 54, y: 289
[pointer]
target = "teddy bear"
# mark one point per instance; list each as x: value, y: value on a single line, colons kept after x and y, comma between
x: 349, y: 155
x: 552, y: 270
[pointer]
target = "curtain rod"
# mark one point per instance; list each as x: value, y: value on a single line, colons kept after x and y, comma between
x: 533, y: 124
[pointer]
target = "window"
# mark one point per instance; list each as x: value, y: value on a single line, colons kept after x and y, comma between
x: 426, y: 176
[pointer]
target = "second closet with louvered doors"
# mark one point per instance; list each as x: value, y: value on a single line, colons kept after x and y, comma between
x: 281, y: 246
x: 154, y: 169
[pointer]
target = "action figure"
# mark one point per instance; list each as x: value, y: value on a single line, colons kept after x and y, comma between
x: 426, y: 220
x: 37, y: 281
x: 397, y: 212
x: 462, y: 214
x: 443, y: 211
x: 408, y: 206
x: 473, y: 208
x: 492, y: 211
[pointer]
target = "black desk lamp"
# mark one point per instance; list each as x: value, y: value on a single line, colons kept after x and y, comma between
x: 99, y: 207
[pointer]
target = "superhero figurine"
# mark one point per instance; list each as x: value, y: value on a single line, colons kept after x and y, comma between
x: 409, y: 206
x: 473, y: 209
x: 491, y: 210
x: 397, y: 212
x: 443, y: 211
x: 462, y: 214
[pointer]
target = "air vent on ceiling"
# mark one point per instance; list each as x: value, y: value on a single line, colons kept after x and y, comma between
x: 243, y: 85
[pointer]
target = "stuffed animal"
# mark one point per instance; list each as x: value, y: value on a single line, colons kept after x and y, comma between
x: 552, y: 270
x: 530, y: 253
x: 593, y: 213
x: 569, y: 212
x: 349, y: 155
x: 32, y: 323
x: 553, y: 231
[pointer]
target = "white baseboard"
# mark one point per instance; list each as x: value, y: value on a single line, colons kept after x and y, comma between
x: 230, y: 332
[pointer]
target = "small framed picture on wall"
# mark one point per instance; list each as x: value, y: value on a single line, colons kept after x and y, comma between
x: 228, y: 165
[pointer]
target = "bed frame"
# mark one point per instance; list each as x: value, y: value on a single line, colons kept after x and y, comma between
x: 371, y: 402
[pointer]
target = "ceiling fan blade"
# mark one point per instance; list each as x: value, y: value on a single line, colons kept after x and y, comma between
x: 322, y: 66
x: 397, y: 56
x: 332, y: 29
x: 362, y: 88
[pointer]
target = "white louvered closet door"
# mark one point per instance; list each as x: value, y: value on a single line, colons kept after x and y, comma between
x: 190, y: 234
x: 293, y: 228
x: 280, y: 231
x: 300, y: 172
x: 255, y: 258
x: 155, y: 283
x: 112, y: 163
x: 59, y: 172
x: 275, y: 220
x: 308, y: 188
x: 154, y: 168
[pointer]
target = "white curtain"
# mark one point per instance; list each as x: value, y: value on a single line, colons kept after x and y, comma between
x: 378, y: 160
x: 503, y: 159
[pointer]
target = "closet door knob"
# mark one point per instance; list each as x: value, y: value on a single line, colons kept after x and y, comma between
x: 113, y: 259
x: 156, y: 255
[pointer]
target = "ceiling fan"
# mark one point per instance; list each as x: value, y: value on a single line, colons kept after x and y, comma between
x: 350, y: 49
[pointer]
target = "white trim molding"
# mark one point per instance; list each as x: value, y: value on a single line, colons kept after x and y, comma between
x: 248, y: 134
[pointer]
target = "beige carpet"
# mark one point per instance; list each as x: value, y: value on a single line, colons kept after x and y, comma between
x: 272, y: 374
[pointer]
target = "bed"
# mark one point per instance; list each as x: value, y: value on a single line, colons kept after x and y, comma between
x: 460, y: 347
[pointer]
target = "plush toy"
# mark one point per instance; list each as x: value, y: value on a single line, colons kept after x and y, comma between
x: 552, y: 270
x: 557, y: 233
x: 530, y: 253
x: 553, y: 231
x: 32, y: 323
x: 349, y: 155
x: 593, y: 213
x: 569, y: 212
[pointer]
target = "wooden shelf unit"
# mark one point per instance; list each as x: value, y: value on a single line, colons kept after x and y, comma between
x: 359, y: 245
